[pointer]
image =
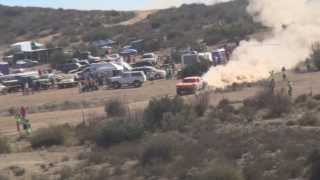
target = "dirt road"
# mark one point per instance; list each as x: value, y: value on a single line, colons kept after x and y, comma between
x: 139, y: 16
x: 137, y: 98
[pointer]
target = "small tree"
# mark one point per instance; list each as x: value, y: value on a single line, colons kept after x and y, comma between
x: 315, y: 55
x: 157, y: 108
x: 116, y: 108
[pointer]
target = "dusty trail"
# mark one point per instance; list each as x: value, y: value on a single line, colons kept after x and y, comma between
x: 139, y: 16
x: 137, y: 99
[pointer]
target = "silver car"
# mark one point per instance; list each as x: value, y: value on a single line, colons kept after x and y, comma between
x: 152, y: 72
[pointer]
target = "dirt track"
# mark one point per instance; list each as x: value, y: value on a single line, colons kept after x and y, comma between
x: 137, y: 98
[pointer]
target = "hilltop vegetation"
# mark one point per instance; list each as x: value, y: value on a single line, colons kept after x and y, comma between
x: 189, y: 24
x: 33, y: 23
x: 174, y: 27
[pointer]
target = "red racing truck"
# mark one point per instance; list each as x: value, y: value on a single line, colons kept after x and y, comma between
x: 191, y: 85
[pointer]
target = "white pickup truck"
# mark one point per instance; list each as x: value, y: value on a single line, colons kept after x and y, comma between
x: 133, y: 78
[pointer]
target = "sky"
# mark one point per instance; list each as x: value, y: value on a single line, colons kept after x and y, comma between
x: 102, y: 4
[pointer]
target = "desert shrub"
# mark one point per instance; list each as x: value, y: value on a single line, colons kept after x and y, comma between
x: 276, y: 103
x: 279, y: 105
x: 197, y: 69
x: 54, y: 135
x: 224, y: 111
x: 4, y: 177
x: 220, y: 172
x: 315, y: 55
x: 309, y: 119
x: 158, y: 149
x: 116, y: 108
x: 314, y: 161
x: 316, y: 97
x: 312, y: 104
x: 39, y: 177
x: 65, y: 173
x: 157, y: 108
x: 98, y: 34
x: 4, y: 145
x: 95, y: 156
x: 103, y: 173
x: 301, y: 99
x: 17, y: 171
x: 177, y: 121
x: 117, y: 131
x: 201, y: 103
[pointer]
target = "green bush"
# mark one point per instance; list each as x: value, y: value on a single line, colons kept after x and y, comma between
x: 220, y: 172
x: 117, y: 131
x: 116, y: 108
x: 201, y: 103
x: 54, y: 135
x: 197, y: 69
x: 314, y: 161
x: 223, y: 112
x: 98, y: 34
x: 301, y: 99
x: 315, y: 56
x: 309, y: 119
x: 277, y: 103
x: 4, y: 177
x: 158, y: 149
x: 4, y: 145
x: 157, y: 108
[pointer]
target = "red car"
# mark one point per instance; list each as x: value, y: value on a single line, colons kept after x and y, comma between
x: 190, y: 85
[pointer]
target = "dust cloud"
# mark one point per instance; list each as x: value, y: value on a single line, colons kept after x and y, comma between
x: 295, y: 26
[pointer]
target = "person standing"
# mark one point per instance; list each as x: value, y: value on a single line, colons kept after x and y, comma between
x: 290, y: 89
x: 284, y: 75
x: 18, y: 121
x: 23, y: 112
x: 27, y: 126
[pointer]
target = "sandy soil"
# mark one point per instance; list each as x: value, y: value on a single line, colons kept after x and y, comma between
x: 37, y: 161
x: 140, y: 16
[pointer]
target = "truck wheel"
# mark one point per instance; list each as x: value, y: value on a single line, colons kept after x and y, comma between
x: 137, y: 84
x: 116, y: 85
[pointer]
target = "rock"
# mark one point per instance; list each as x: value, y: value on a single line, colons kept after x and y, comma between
x: 129, y: 165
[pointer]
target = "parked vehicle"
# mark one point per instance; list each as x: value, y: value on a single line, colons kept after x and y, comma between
x: 142, y: 64
x: 152, y: 72
x: 150, y: 57
x: 81, y: 62
x: 65, y: 68
x: 67, y: 82
x: 191, y: 85
x: 134, y: 78
x: 3, y: 89
x: 26, y: 63
x: 4, y: 68
x: 12, y: 85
